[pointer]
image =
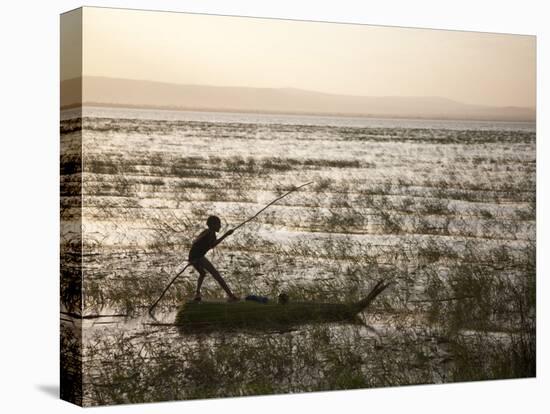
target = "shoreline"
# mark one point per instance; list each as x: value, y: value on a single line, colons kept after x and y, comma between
x: 373, y: 117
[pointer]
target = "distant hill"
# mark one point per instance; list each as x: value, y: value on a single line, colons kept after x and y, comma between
x: 147, y: 94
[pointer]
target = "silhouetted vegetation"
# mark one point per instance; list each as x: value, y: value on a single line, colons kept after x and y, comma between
x: 447, y: 215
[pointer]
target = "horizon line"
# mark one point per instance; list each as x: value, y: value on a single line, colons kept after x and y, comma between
x: 111, y: 105
x: 303, y: 90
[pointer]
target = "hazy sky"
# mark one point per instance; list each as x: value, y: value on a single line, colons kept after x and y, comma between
x: 474, y: 68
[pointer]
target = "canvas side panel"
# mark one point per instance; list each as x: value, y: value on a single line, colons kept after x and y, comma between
x: 71, y: 207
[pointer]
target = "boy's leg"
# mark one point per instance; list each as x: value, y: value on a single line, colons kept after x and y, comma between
x: 202, y: 274
x: 214, y: 272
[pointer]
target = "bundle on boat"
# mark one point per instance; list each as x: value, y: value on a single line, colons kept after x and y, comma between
x: 252, y: 314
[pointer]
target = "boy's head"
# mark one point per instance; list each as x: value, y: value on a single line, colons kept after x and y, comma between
x: 214, y: 223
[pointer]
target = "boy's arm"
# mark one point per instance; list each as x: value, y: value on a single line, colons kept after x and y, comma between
x: 228, y: 233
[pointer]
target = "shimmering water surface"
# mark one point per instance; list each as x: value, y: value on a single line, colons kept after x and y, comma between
x: 444, y: 209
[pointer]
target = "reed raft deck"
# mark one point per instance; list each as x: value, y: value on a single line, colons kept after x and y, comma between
x: 250, y: 314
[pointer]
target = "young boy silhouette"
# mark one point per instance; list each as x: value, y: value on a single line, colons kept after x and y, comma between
x: 205, y: 241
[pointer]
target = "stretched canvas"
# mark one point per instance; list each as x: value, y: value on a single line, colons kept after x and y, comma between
x: 258, y: 206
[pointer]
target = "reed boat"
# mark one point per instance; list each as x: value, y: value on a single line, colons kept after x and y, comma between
x: 250, y: 314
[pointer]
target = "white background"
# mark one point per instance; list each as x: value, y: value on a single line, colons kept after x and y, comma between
x: 29, y: 133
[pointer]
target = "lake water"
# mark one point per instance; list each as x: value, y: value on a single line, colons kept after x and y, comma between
x: 286, y: 119
x: 443, y: 209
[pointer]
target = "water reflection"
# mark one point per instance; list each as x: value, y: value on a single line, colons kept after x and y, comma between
x: 138, y: 359
x: 445, y: 211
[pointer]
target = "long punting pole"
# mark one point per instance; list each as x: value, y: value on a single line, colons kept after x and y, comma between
x: 240, y: 225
